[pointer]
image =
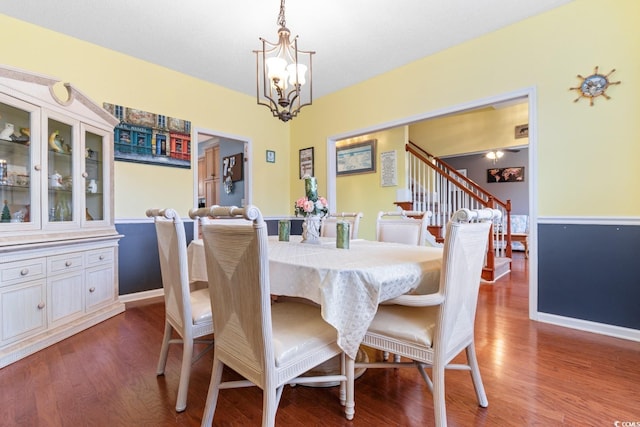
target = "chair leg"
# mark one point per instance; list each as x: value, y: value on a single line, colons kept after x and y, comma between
x: 475, y: 376
x: 343, y: 384
x: 437, y: 373
x: 270, y: 406
x: 212, y: 394
x: 185, y: 373
x: 164, y: 350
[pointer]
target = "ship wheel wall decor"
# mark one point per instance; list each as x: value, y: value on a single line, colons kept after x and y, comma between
x: 594, y: 85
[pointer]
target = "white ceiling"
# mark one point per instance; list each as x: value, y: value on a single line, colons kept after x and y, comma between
x: 213, y: 40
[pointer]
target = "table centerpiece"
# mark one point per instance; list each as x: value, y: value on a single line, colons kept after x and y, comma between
x: 313, y: 209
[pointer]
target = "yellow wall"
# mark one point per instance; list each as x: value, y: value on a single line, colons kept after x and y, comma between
x: 107, y: 76
x: 547, y: 52
x: 474, y: 131
x: 574, y: 140
x: 354, y: 194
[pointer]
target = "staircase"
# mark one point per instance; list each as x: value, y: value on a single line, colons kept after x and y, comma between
x: 437, y: 187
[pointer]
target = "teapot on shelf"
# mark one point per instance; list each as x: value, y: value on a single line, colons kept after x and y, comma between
x: 92, y: 187
x: 55, y: 180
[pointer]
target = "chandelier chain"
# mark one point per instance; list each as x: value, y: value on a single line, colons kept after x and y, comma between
x: 281, y: 19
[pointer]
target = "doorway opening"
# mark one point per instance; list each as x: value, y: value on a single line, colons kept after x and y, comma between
x: 527, y: 95
x: 222, y: 173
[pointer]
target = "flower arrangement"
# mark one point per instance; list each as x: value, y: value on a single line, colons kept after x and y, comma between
x: 311, y: 204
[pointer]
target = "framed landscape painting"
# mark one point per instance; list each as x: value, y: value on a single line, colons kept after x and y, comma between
x: 356, y: 158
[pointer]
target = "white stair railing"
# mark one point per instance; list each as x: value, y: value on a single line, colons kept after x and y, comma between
x: 437, y: 187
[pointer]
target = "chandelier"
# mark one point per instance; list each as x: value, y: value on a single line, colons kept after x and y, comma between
x: 494, y: 155
x: 281, y: 69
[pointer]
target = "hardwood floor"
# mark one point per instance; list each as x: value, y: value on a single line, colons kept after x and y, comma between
x: 534, y: 374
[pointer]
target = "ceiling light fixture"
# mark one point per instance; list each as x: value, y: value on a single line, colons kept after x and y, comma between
x: 281, y: 69
x: 494, y: 155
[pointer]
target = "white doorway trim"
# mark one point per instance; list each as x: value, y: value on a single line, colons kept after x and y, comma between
x: 528, y: 93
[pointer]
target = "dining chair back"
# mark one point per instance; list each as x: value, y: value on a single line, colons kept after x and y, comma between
x: 269, y: 345
x: 330, y: 222
x: 432, y: 329
x: 187, y: 313
x: 408, y: 227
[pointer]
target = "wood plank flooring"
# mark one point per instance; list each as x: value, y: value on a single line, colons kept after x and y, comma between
x: 534, y: 374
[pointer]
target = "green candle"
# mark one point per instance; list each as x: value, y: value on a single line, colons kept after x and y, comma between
x: 342, y: 235
x: 311, y: 188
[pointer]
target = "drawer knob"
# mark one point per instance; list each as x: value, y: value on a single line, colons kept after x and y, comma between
x: 101, y: 257
x: 92, y: 289
x: 68, y: 263
x: 24, y: 271
x: 41, y: 306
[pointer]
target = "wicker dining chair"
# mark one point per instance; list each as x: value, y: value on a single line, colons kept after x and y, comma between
x: 187, y: 313
x: 329, y: 224
x: 432, y: 329
x: 408, y: 227
x: 269, y: 345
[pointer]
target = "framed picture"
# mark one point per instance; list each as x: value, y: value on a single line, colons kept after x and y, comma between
x: 232, y: 167
x: 356, y: 158
x: 151, y: 138
x: 271, y: 156
x: 522, y: 131
x: 514, y: 174
x: 306, y: 162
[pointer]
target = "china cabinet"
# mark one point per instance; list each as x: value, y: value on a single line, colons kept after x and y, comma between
x: 58, y: 242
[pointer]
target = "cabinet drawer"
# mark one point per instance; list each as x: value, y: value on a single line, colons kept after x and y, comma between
x: 66, y: 262
x: 22, y: 271
x: 99, y: 256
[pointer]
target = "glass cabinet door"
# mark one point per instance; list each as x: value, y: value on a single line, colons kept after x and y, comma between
x: 60, y: 206
x: 96, y: 183
x: 19, y: 207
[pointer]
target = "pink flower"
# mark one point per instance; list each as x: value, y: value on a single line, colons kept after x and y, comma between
x: 309, y: 206
x: 323, y: 201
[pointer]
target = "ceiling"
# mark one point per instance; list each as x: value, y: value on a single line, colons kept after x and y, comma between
x: 213, y: 40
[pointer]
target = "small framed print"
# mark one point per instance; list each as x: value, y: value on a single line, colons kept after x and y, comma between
x: 522, y: 131
x: 306, y: 162
x: 271, y: 156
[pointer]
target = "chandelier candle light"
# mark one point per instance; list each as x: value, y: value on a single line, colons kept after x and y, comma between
x: 313, y: 209
x: 281, y: 69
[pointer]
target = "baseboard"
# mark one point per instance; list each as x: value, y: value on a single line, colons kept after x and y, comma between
x: 588, y: 326
x: 140, y: 296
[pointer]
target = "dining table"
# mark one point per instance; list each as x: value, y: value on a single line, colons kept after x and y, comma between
x: 348, y: 284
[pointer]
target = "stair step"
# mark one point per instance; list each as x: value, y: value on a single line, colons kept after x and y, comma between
x: 502, y: 266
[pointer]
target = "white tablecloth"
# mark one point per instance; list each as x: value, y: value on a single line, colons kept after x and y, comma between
x: 347, y: 283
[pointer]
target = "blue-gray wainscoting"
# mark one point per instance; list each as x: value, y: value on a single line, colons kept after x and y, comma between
x: 590, y: 272
x: 585, y: 271
x: 138, y: 262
